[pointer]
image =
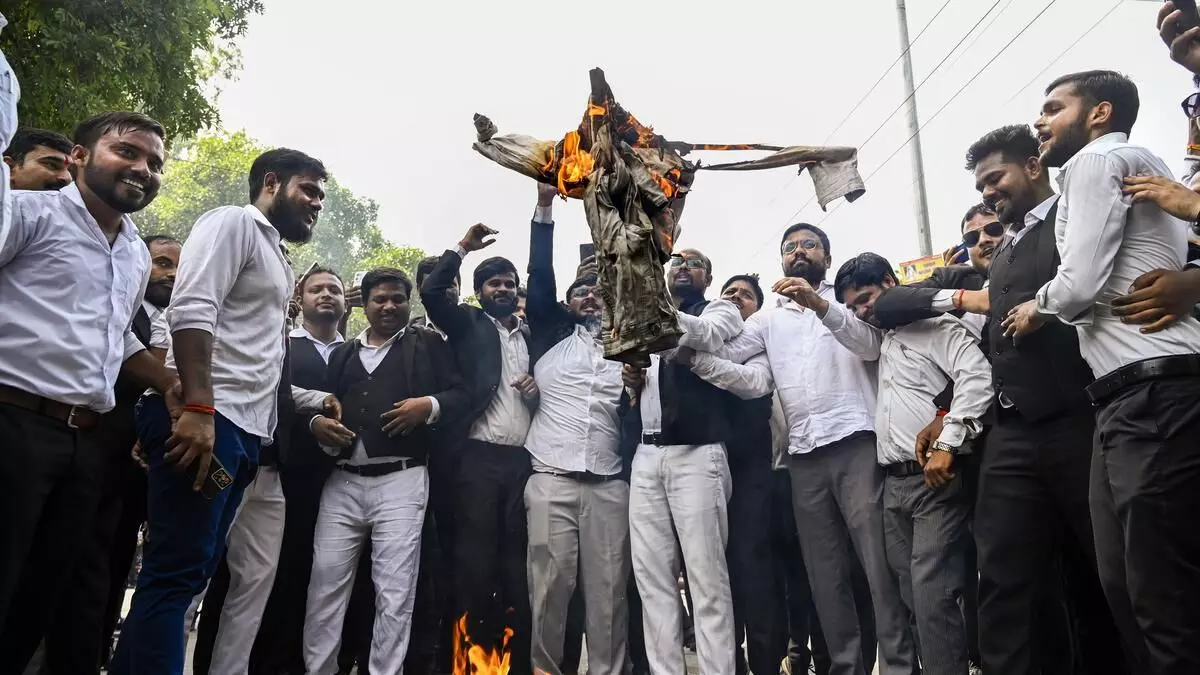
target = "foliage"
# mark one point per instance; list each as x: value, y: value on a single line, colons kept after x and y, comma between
x: 75, y: 59
x: 212, y: 171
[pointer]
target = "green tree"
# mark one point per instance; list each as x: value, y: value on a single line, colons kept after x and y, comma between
x: 161, y: 57
x: 212, y: 171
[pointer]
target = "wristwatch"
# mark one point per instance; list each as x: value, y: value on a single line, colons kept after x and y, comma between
x: 944, y: 447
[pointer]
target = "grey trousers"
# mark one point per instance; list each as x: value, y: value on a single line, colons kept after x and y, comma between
x: 837, y: 497
x: 926, y: 534
x: 577, y: 529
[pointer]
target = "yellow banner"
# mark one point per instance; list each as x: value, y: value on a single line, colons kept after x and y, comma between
x: 919, y: 269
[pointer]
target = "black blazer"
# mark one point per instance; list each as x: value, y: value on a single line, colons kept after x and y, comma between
x: 903, y: 305
x: 471, y: 333
x: 549, y: 321
x: 117, y: 427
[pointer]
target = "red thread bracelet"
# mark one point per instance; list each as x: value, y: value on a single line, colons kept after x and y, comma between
x: 942, y: 413
x: 200, y: 409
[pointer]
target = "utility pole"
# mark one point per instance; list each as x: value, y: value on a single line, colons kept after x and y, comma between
x: 914, y: 126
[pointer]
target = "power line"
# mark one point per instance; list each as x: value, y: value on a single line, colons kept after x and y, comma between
x: 1064, y: 52
x: 980, y: 34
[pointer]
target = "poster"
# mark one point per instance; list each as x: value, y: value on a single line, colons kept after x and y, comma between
x: 919, y: 269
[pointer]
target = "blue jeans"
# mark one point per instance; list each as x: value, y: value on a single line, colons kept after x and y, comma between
x: 185, y: 540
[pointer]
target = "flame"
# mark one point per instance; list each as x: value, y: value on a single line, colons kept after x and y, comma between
x: 472, y: 659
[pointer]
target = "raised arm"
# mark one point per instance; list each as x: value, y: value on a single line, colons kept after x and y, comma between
x: 542, y: 309
x: 747, y: 381
x: 859, y: 337
x: 902, y: 305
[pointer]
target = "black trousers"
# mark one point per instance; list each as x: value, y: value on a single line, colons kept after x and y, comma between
x: 81, y: 635
x: 1145, y: 502
x: 439, y: 568
x: 758, y: 610
x: 50, y: 478
x: 803, y: 627
x: 1032, y: 503
x: 491, y: 538
x: 637, y: 636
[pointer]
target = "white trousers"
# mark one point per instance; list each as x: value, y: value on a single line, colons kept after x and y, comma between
x: 684, y: 490
x: 253, y: 556
x: 390, y: 509
x: 579, y: 530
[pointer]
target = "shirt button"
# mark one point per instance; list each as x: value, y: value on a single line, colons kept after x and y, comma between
x: 362, y: 410
x: 1004, y: 290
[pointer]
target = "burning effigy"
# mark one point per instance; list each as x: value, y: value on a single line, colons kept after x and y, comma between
x: 634, y: 183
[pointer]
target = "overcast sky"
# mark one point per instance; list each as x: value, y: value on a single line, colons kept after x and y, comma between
x: 383, y: 92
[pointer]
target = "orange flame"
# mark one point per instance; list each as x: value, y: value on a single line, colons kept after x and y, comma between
x: 472, y: 659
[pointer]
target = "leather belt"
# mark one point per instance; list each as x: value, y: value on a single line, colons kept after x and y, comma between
x: 904, y: 469
x: 74, y: 416
x: 381, y: 469
x: 1165, y: 366
x: 653, y: 439
x: 588, y: 476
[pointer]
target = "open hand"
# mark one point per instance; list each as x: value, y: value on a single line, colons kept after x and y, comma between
x: 1185, y: 50
x: 191, y: 442
x: 407, y: 415
x: 1170, y: 195
x: 331, y: 433
x: 1022, y: 320
x: 1159, y: 298
x: 476, y: 238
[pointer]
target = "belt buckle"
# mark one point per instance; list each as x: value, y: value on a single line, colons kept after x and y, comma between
x: 71, y: 417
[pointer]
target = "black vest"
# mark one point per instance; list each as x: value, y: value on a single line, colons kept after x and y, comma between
x: 751, y: 434
x: 366, y: 396
x: 694, y: 412
x: 308, y: 368
x: 1044, y: 375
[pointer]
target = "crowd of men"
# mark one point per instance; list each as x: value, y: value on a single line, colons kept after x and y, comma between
x: 993, y: 470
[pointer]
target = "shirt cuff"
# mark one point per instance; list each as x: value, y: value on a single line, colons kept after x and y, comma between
x: 435, y: 413
x: 462, y: 252
x: 953, y: 434
x: 1046, y: 305
x: 943, y: 301
x: 543, y: 214
x: 313, y: 421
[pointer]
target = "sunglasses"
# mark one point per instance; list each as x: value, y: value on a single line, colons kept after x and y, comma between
x: 690, y: 263
x: 1191, y: 105
x: 806, y: 244
x: 993, y: 229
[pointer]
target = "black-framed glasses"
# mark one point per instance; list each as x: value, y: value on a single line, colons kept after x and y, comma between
x: 1191, y: 105
x: 581, y: 292
x: 993, y: 229
x: 690, y: 263
x: 806, y: 244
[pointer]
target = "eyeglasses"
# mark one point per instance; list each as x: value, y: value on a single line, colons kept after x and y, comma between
x: 1191, y: 105
x: 690, y: 263
x: 581, y: 292
x: 806, y: 244
x: 993, y: 229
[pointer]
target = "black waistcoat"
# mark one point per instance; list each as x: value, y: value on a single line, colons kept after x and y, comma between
x: 366, y: 396
x: 308, y: 368
x: 694, y: 412
x: 1044, y: 375
x: 750, y: 440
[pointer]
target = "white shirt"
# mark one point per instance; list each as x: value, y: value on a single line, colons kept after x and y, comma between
x: 371, y: 356
x: 1105, y: 243
x: 10, y: 93
x: 822, y: 368
x: 234, y: 282
x: 152, y: 311
x: 68, y: 299
x: 323, y: 349
x: 719, y: 322
x: 506, y: 420
x: 575, y: 427
x: 916, y: 363
x: 1036, y: 216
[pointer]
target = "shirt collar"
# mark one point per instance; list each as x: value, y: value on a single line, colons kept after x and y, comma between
x: 1107, y: 139
x: 265, y: 224
x: 362, y: 339
x: 302, y: 332
x: 128, y: 231
x: 150, y: 309
x: 500, y: 326
x: 1038, y: 213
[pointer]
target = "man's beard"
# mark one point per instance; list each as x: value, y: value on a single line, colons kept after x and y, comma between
x: 288, y: 218
x: 499, y: 310
x: 592, y: 323
x: 159, y: 293
x: 103, y: 183
x: 812, y: 272
x: 1066, y: 144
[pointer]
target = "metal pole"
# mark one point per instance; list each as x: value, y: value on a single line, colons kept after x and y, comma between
x: 914, y: 126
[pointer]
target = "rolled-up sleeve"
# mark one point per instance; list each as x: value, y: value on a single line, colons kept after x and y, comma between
x: 215, y: 252
x: 1090, y: 238
x: 132, y: 345
x: 308, y: 400
x: 956, y: 353
x: 719, y: 322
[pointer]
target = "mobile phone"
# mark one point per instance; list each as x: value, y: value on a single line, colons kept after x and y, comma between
x: 358, y: 277
x: 300, y: 280
x: 586, y: 251
x: 217, y: 479
x: 1191, y: 16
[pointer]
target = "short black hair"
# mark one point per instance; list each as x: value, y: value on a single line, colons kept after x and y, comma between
x: 588, y: 278
x: 284, y: 163
x: 160, y: 239
x: 1097, y: 86
x: 978, y: 209
x: 384, y: 275
x: 28, y: 138
x: 494, y: 267
x: 425, y: 268
x: 811, y: 228
x: 751, y: 280
x: 864, y: 269
x: 93, y: 128
x: 1015, y: 143
x: 699, y: 255
x: 320, y: 269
